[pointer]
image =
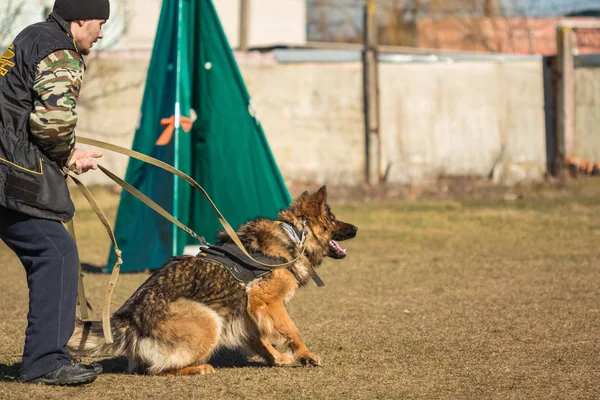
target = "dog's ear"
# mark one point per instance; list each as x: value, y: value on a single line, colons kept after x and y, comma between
x: 305, y: 195
x: 300, y: 199
x: 321, y: 195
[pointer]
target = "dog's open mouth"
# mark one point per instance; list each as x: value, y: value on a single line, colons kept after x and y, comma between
x: 335, y: 250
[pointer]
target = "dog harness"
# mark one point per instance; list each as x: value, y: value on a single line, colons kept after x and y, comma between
x: 244, y: 269
x: 239, y: 266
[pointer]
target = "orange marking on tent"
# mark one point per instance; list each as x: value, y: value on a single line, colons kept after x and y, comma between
x: 169, y: 124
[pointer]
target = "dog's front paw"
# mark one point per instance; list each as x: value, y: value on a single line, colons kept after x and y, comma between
x: 308, y: 359
x: 284, y: 359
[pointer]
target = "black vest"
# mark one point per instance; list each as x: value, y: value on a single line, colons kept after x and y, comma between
x: 30, y: 182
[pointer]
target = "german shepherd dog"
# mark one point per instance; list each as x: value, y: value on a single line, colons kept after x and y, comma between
x: 192, y: 306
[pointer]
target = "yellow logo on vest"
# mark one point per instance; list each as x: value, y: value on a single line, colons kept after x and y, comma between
x: 5, y: 63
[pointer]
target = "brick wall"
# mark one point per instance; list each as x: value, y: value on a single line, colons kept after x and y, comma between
x: 503, y: 35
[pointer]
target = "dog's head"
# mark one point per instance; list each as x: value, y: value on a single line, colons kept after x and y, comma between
x: 325, y: 230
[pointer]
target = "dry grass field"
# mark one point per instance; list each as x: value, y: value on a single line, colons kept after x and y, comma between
x: 437, y: 299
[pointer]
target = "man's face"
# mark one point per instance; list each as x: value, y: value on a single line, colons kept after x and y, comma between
x: 88, y: 34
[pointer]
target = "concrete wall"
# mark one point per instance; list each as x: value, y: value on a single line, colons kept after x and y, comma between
x: 141, y: 19
x: 311, y: 114
x: 271, y: 22
x: 587, y: 113
x: 275, y: 22
x: 462, y: 119
x: 467, y: 118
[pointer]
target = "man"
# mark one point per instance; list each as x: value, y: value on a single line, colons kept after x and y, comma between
x: 40, y: 77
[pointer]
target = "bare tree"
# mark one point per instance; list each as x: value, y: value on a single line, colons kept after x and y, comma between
x: 480, y: 25
x: 12, y: 9
x: 489, y: 25
x: 397, y: 23
x: 334, y: 20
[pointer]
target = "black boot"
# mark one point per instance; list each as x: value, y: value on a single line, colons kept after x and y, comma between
x: 69, y: 375
x: 97, y: 367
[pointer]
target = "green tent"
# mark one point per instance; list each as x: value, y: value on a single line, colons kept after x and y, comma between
x: 193, y: 73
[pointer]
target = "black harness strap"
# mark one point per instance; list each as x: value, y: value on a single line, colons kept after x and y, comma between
x: 298, y: 239
x: 235, y: 261
x: 244, y: 269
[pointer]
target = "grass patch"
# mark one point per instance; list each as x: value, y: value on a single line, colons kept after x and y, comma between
x: 436, y: 299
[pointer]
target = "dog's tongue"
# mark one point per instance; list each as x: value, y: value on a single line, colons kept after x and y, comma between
x: 336, y: 248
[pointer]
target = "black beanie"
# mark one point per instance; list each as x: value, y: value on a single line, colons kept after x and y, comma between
x: 71, y: 10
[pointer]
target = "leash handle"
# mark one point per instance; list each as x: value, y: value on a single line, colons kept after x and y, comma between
x: 167, y: 167
x: 115, y: 272
x: 83, y: 304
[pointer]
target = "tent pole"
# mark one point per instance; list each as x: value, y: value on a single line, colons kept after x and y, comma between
x: 244, y: 14
x: 177, y: 123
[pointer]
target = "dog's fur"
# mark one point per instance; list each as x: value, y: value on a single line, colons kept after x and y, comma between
x: 192, y: 306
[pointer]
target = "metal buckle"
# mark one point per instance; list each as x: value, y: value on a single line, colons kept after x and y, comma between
x: 305, y: 233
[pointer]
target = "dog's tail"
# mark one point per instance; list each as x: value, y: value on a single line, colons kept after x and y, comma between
x: 88, y: 339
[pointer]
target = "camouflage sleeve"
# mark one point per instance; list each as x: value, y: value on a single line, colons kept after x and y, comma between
x: 56, y: 87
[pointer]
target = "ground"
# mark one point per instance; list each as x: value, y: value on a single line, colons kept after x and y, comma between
x: 460, y: 294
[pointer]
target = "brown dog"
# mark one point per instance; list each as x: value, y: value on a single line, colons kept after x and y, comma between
x: 193, y: 306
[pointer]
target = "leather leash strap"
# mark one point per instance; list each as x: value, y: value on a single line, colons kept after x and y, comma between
x: 160, y: 164
x: 115, y: 272
x: 83, y: 305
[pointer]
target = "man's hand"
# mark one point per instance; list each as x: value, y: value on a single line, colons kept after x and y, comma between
x: 83, y: 160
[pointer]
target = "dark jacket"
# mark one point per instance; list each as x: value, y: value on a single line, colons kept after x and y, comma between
x: 30, y: 181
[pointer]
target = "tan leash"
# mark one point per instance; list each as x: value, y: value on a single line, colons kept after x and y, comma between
x: 150, y: 160
x: 83, y: 305
x: 115, y: 272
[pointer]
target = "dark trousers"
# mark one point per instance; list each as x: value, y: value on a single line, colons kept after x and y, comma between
x: 50, y: 258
